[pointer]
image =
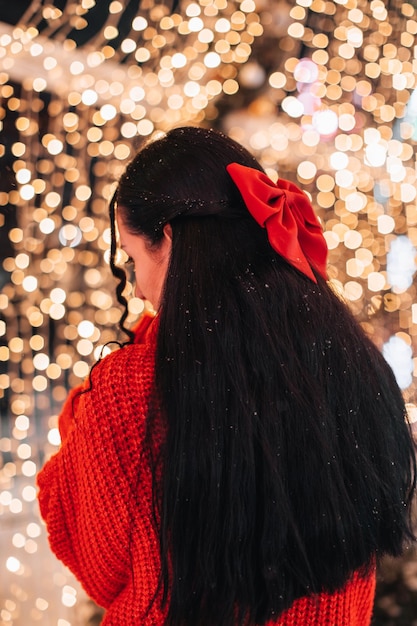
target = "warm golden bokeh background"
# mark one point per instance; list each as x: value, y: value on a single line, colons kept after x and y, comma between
x: 322, y: 91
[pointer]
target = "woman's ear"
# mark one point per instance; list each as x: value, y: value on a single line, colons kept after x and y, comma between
x: 165, y: 245
x: 167, y: 230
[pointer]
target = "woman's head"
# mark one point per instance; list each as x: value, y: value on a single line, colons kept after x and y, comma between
x: 181, y: 181
x: 170, y: 193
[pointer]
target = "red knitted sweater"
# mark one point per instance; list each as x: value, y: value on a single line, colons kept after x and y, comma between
x: 95, y: 495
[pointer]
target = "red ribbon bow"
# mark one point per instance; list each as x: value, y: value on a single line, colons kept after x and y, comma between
x: 288, y: 216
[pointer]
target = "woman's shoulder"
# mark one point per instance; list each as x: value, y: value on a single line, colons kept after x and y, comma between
x: 125, y: 372
x: 117, y: 392
x: 142, y: 347
x: 128, y: 364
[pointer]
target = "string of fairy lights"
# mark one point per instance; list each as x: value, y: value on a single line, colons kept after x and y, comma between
x: 322, y: 91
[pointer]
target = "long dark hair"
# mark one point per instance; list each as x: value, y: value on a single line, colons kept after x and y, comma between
x: 288, y: 463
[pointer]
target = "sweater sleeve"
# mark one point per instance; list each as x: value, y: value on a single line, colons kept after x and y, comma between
x: 88, y: 489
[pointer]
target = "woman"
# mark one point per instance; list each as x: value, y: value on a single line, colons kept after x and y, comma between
x: 245, y: 458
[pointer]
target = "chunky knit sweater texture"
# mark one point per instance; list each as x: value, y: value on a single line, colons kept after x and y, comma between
x: 95, y: 495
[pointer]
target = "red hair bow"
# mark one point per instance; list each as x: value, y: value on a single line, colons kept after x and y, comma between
x: 288, y: 216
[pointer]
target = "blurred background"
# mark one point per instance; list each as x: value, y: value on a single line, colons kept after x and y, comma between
x: 323, y: 92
